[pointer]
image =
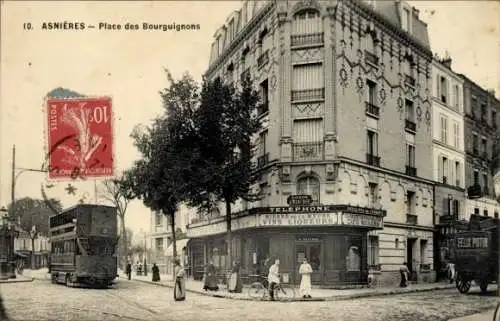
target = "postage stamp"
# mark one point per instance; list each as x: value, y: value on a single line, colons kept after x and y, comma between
x: 80, y: 139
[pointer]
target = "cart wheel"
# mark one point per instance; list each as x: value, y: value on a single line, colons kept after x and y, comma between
x: 463, y: 285
x: 256, y: 290
x: 483, y: 286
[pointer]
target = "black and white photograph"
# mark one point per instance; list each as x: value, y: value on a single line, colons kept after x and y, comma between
x: 267, y: 160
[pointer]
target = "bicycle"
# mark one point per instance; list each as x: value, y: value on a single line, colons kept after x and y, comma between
x: 260, y: 289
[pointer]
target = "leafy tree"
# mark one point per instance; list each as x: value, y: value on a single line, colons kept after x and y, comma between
x: 34, y: 212
x: 167, y: 153
x: 228, y: 122
x: 114, y: 192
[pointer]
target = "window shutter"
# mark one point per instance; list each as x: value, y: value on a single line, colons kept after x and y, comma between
x: 445, y: 206
x: 440, y: 168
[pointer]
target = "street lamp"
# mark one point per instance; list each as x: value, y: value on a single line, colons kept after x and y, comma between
x: 33, y: 235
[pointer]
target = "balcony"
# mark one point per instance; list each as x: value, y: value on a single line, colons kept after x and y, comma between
x: 410, y: 126
x: 263, y: 108
x: 372, y: 110
x: 373, y: 160
x: 474, y: 191
x: 411, y: 219
x: 371, y: 58
x: 409, y: 81
x: 307, y: 39
x: 411, y: 171
x: 308, y: 94
x: 263, y: 160
x: 444, y: 180
x: 308, y: 151
x: 263, y: 59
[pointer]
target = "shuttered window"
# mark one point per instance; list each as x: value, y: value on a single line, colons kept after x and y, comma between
x: 305, y: 131
x: 309, y: 76
x: 306, y: 22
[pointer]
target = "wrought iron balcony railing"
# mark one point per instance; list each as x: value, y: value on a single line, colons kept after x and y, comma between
x: 409, y: 81
x: 307, y: 39
x: 263, y: 108
x: 410, y: 126
x: 308, y: 94
x: 474, y: 191
x: 262, y: 160
x: 308, y: 151
x: 263, y: 59
x: 372, y: 110
x: 245, y: 74
x: 373, y: 160
x: 411, y: 219
x: 411, y: 171
x: 371, y: 58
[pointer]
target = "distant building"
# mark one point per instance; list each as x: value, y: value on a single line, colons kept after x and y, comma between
x: 347, y: 120
x: 24, y: 248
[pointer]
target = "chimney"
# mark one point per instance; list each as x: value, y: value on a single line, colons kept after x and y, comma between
x: 491, y: 92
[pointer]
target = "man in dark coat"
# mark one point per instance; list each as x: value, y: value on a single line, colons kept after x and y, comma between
x: 128, y: 270
x: 156, y: 273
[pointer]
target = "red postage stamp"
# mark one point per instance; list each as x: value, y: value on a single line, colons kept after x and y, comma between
x: 80, y: 137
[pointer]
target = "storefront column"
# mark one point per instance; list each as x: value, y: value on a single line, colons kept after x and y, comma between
x: 364, y: 257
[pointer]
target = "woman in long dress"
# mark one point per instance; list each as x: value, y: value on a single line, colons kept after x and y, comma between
x: 235, y: 285
x: 156, y: 273
x: 210, y: 278
x: 180, y: 282
x: 305, y: 271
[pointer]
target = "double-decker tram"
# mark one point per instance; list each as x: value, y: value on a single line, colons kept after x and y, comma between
x: 83, y: 240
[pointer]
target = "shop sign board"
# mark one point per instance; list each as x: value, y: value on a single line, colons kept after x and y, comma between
x: 299, y: 200
x: 321, y: 219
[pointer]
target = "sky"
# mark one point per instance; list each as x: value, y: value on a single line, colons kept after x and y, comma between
x: 128, y: 66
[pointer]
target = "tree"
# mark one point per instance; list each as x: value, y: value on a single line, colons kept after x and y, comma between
x: 168, y: 152
x: 124, y: 246
x: 228, y: 122
x: 114, y: 191
x: 34, y: 212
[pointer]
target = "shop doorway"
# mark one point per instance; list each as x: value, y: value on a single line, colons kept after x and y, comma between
x: 313, y: 252
x: 410, y: 244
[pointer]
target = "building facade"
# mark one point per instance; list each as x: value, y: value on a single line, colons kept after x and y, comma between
x: 345, y: 155
x: 448, y: 157
x: 23, y: 246
x: 481, y: 121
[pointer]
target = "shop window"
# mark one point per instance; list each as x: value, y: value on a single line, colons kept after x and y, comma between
x: 309, y: 186
x: 353, y: 258
x: 373, y: 250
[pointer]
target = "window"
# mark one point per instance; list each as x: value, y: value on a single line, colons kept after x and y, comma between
x: 262, y: 143
x: 456, y: 95
x: 483, y: 145
x: 373, y: 194
x: 372, y: 92
x: 476, y: 211
x: 372, y: 147
x: 443, y: 90
x: 410, y: 155
x: 373, y: 250
x: 483, y: 111
x: 158, y: 219
x: 456, y: 208
x: 474, y: 143
x: 485, y: 212
x: 405, y: 20
x: 308, y: 139
x: 307, y: 21
x: 159, y: 244
x: 423, y: 251
x: 494, y: 118
x: 410, y: 196
x: 495, y: 214
x: 444, y: 129
x: 264, y: 97
x: 485, y: 183
x: 410, y: 112
x: 443, y: 170
x: 309, y: 186
x: 458, y: 173
x: 476, y: 177
x: 456, y: 135
x: 308, y: 82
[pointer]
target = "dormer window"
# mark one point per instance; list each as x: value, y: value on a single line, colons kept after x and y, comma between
x: 406, y: 19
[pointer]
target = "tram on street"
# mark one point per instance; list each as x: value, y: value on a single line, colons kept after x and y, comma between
x: 83, y: 246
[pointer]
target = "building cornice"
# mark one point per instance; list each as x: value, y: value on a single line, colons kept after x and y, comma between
x: 240, y: 37
x: 367, y: 11
x: 445, y: 70
x: 440, y: 104
x: 449, y: 147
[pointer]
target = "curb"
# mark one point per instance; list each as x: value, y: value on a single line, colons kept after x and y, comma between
x: 320, y: 299
x: 26, y: 279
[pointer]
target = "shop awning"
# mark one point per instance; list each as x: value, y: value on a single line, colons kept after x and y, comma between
x: 180, y: 245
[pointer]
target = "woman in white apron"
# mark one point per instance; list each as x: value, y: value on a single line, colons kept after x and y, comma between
x: 305, y: 272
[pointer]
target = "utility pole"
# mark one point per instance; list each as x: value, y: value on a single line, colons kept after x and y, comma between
x: 13, y: 183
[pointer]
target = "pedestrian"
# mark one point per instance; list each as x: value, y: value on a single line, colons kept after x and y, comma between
x: 156, y: 273
x: 210, y: 278
x: 180, y: 283
x: 273, y: 278
x: 235, y: 285
x: 403, y: 271
x: 451, y: 272
x: 305, y: 271
x: 128, y: 270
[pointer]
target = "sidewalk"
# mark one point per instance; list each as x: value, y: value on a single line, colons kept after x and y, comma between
x: 483, y: 316
x: 19, y: 278
x: 316, y: 293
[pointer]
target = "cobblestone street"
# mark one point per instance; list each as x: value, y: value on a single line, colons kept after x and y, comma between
x: 129, y: 300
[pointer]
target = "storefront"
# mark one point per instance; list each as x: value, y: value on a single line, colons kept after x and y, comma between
x: 334, y: 239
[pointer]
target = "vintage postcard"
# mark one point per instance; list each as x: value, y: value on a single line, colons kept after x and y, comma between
x: 254, y: 160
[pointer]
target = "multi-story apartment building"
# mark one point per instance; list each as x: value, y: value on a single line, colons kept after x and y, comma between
x: 481, y: 121
x: 346, y: 149
x: 23, y: 246
x: 448, y: 156
x: 160, y: 238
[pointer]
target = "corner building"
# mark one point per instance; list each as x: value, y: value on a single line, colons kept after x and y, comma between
x: 345, y: 155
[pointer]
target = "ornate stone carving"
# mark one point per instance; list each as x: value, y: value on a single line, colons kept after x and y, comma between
x: 285, y: 173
